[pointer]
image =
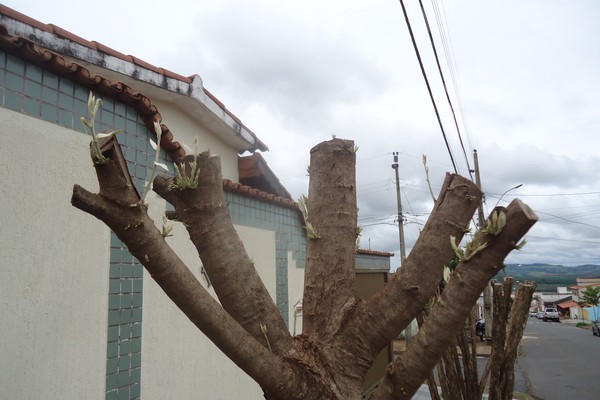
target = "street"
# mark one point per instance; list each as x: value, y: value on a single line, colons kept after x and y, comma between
x: 558, y: 361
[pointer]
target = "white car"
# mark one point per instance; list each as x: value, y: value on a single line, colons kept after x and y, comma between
x: 540, y: 314
x: 551, y: 314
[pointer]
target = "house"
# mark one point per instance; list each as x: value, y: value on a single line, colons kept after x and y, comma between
x: 586, y: 313
x: 81, y: 319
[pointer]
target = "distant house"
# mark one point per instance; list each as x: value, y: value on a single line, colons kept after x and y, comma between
x: 586, y: 313
x: 81, y: 319
x: 569, y: 308
x: 582, y: 284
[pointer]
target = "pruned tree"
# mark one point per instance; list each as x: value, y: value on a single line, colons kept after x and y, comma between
x: 457, y: 374
x: 510, y: 319
x: 341, y: 334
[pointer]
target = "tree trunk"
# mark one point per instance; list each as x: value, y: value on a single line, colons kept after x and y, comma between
x: 505, y: 351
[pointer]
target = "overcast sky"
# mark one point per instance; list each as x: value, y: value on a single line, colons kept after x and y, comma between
x: 522, y: 75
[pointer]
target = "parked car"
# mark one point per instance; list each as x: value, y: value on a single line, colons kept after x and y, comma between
x: 596, y: 327
x: 551, y: 314
x: 540, y: 314
x: 533, y: 313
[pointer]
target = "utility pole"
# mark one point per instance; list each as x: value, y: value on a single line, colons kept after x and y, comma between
x: 487, y: 292
x: 481, y: 218
x: 400, y: 216
x: 408, y: 330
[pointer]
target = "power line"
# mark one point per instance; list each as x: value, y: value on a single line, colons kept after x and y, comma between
x: 414, y: 42
x: 549, y: 194
x: 451, y: 61
x: 568, y: 220
x: 437, y: 61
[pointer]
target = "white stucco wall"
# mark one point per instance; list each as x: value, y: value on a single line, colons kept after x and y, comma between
x: 295, y: 293
x: 54, y: 263
x: 178, y: 361
x: 185, y: 130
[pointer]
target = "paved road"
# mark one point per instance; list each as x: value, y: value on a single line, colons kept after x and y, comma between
x: 558, y: 362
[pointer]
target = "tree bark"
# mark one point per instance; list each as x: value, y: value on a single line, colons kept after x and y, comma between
x: 330, y: 267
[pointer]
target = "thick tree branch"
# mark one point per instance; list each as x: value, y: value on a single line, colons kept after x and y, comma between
x: 409, y: 371
x: 205, y: 214
x: 137, y: 230
x: 387, y: 313
x: 331, y: 227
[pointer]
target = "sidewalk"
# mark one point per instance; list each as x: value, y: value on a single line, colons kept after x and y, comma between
x: 423, y: 394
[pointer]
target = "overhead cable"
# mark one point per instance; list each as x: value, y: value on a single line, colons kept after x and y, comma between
x: 437, y: 61
x: 412, y: 36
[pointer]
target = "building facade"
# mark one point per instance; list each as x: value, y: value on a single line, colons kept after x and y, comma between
x: 81, y: 318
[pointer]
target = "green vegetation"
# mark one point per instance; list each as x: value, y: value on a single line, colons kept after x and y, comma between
x: 549, y: 277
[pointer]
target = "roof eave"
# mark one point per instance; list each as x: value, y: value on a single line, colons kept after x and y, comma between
x: 188, y: 91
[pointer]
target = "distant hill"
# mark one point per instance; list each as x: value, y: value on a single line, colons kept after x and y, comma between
x: 548, y: 276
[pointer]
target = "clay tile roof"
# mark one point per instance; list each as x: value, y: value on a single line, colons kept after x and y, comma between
x: 51, y: 28
x: 259, y: 194
x: 567, y: 304
x: 374, y: 253
x: 28, y: 50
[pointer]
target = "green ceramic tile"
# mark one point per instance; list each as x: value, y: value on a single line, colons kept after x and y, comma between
x: 124, y: 347
x: 138, y: 285
x: 65, y: 102
x: 49, y: 95
x: 126, y: 301
x: 135, y: 374
x: 80, y: 108
x: 34, y: 73
x: 33, y: 107
x: 82, y: 93
x: 113, y: 333
x: 136, y: 315
x: 124, y: 393
x: 33, y: 89
x: 16, y: 65
x: 113, y: 317
x: 67, y: 87
x: 65, y: 118
x: 51, y: 80
x: 111, y: 381
x: 112, y: 395
x: 136, y: 330
x: 136, y: 345
x: 14, y: 82
x: 123, y: 379
x: 124, y: 362
x: 49, y: 112
x: 112, y: 366
x: 137, y: 300
x: 13, y: 100
x: 136, y: 360
x: 112, y: 350
x: 114, y: 302
x: 135, y: 390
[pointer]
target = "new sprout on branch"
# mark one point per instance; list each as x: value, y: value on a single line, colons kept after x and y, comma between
x: 89, y: 125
